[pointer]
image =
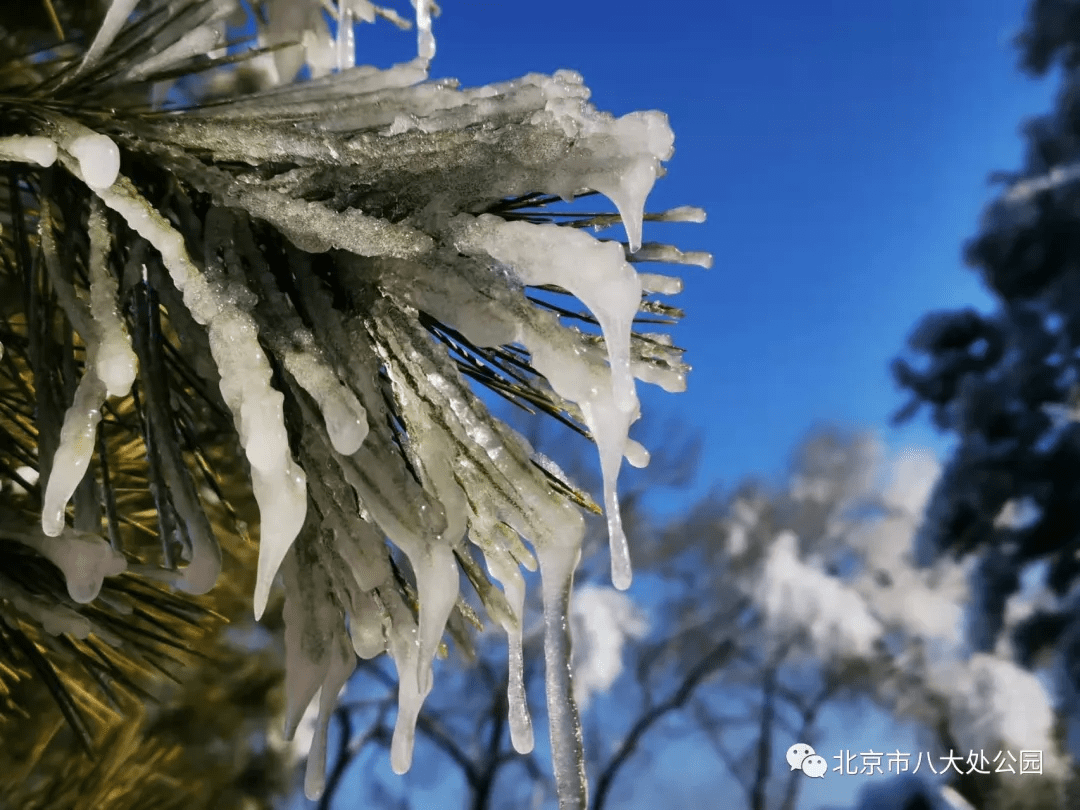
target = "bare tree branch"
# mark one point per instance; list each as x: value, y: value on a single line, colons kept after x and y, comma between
x: 809, y: 716
x: 349, y: 749
x: 764, y: 746
x: 708, y: 665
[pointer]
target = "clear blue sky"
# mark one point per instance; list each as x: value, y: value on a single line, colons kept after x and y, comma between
x: 841, y: 149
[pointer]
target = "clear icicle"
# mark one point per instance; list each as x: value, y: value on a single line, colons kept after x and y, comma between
x: 346, y: 44
x: 425, y: 39
x: 557, y: 564
x: 503, y: 568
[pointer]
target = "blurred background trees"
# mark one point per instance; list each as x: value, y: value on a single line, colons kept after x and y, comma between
x: 1006, y: 385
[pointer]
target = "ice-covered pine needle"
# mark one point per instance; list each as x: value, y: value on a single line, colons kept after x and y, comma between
x: 333, y: 264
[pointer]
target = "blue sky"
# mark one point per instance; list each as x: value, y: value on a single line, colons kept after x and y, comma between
x: 841, y: 149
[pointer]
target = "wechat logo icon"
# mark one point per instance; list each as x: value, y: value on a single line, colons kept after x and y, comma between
x: 801, y: 757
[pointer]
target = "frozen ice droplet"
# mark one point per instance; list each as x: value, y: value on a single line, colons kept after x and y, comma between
x: 99, y: 159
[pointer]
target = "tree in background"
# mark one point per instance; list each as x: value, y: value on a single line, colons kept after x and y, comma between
x: 221, y: 285
x: 770, y: 606
x: 1006, y: 384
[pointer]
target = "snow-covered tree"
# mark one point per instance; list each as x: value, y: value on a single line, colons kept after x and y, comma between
x: 840, y: 608
x: 1005, y: 382
x: 213, y: 271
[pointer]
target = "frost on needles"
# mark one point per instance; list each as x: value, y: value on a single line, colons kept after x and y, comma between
x: 337, y: 264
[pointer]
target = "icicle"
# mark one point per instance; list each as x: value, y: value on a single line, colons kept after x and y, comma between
x: 197, y: 41
x: 503, y: 568
x: 346, y: 43
x: 629, y: 150
x: 557, y: 564
x: 278, y: 483
x: 114, y: 359
x: 342, y: 664
x: 425, y: 39
x: 28, y: 149
x: 115, y: 17
x: 435, y: 568
x: 646, y: 137
x: 282, y: 499
x: 597, y: 273
x: 404, y: 649
x: 77, y: 440
x: 309, y: 618
x: 437, y: 590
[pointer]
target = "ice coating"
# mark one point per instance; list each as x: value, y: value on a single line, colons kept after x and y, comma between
x: 665, y: 285
x: 279, y: 484
x: 449, y: 445
x: 656, y: 252
x: 55, y: 619
x: 681, y: 213
x: 28, y: 149
x: 99, y: 158
x: 84, y: 559
x: 598, y: 274
x: 114, y: 359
